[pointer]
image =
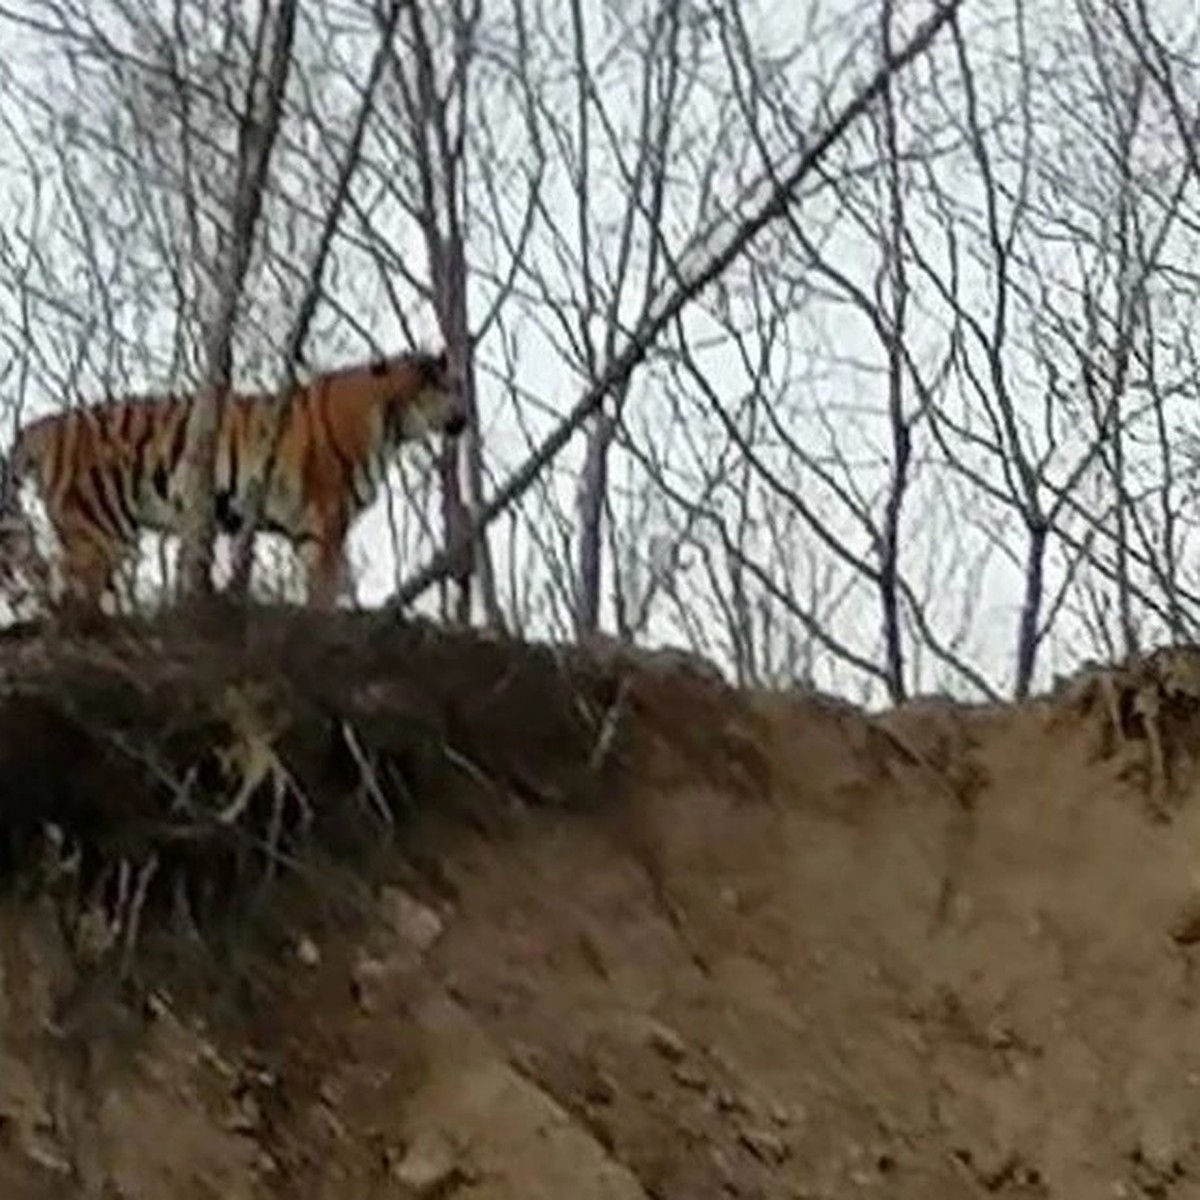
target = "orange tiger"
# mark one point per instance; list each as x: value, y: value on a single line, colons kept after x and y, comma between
x: 106, y: 470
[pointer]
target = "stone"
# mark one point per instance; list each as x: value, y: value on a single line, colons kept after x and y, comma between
x: 308, y: 952
x: 766, y: 1146
x: 689, y: 1076
x: 416, y: 923
x: 430, y: 1168
x: 666, y: 1041
x: 1158, y: 1142
x: 368, y: 982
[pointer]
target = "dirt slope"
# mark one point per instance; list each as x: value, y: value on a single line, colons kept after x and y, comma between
x: 640, y: 937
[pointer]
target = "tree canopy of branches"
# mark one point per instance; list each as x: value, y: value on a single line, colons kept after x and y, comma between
x: 850, y: 344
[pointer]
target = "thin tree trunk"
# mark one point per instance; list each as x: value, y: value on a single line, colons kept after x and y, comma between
x: 257, y: 137
x: 889, y: 567
x: 243, y: 549
x: 443, y: 174
x: 1031, y: 609
x: 475, y: 564
x: 593, y: 486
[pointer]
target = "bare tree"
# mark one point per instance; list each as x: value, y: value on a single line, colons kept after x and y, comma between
x: 703, y: 263
x: 434, y: 111
x: 643, y: 160
x: 259, y: 126
x: 293, y: 355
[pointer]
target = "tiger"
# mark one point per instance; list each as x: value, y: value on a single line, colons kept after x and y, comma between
x: 107, y: 470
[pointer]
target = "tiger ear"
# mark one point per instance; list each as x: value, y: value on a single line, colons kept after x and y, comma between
x: 442, y: 362
x: 379, y: 366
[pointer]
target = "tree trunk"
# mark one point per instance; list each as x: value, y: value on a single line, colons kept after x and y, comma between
x: 257, y: 137
x: 593, y: 487
x: 243, y: 549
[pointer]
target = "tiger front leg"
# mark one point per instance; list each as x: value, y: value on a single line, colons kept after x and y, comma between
x: 325, y: 559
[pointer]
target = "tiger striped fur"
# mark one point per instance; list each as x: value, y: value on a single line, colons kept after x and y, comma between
x: 107, y: 470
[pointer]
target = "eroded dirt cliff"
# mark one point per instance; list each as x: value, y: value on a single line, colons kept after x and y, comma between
x: 341, y: 910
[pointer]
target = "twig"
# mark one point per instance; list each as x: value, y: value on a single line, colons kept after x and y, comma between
x: 608, y: 728
x: 369, y: 777
x: 132, y: 917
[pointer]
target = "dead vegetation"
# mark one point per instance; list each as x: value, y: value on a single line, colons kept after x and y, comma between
x: 1148, y: 718
x: 166, y: 774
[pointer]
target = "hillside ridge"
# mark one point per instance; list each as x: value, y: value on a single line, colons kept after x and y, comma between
x: 348, y: 908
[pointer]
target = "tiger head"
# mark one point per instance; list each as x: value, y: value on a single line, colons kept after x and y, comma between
x: 427, y: 398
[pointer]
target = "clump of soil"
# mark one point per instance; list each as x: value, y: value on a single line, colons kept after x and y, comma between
x: 342, y: 909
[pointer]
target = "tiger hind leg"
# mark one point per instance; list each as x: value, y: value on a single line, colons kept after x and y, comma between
x: 89, y: 568
x: 26, y: 581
